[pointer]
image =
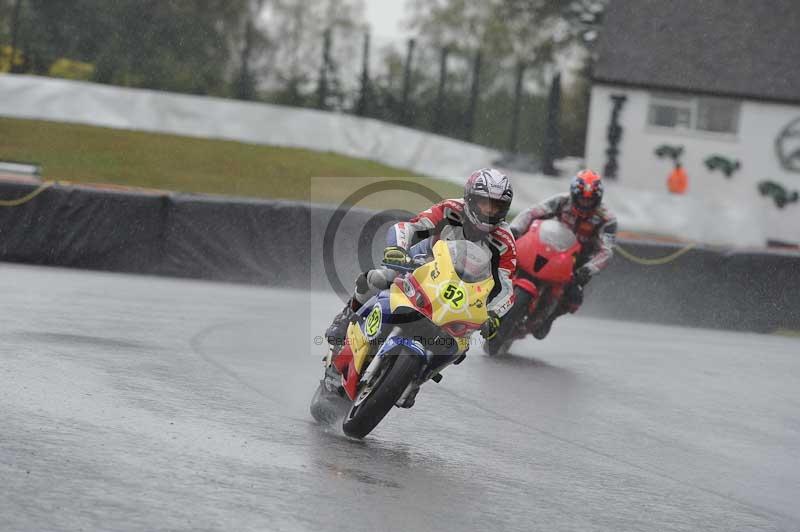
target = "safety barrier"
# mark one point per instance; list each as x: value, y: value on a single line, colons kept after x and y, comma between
x: 735, y: 290
x: 281, y: 243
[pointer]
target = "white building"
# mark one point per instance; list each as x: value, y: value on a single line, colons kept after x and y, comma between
x: 718, y: 80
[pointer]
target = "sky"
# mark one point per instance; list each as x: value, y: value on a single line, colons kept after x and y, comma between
x: 385, y: 16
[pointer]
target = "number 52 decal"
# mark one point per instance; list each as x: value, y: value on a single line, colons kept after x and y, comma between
x: 374, y: 321
x: 454, y: 295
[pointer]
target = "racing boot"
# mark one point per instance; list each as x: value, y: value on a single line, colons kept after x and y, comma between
x: 541, y: 332
x: 335, y: 335
x: 573, y: 298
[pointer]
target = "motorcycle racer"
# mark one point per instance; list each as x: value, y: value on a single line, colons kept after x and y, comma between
x: 478, y: 217
x: 594, y: 226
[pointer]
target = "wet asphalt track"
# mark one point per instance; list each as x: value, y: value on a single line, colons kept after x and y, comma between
x: 136, y: 403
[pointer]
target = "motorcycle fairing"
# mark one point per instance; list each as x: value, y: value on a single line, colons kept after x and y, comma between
x: 542, y: 259
x: 436, y: 290
x: 351, y: 358
x: 527, y: 285
x: 361, y: 334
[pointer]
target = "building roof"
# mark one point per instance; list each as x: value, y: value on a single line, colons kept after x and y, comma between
x: 738, y: 48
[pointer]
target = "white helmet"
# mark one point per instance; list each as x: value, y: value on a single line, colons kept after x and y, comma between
x: 487, y: 198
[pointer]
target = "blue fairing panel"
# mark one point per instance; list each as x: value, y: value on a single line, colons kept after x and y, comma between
x: 366, y: 308
x: 381, y: 299
x: 397, y: 341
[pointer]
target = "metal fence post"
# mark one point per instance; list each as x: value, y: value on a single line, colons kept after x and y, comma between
x: 363, y: 101
x: 551, y: 132
x: 405, y: 112
x: 513, y: 143
x: 245, y: 87
x: 14, y: 34
x: 474, y: 97
x: 438, y: 113
x: 322, y: 91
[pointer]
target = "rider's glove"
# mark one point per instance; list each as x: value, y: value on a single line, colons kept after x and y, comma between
x: 583, y: 275
x: 396, y: 256
x: 490, y: 326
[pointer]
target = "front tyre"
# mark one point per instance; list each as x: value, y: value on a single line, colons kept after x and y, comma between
x: 378, y: 397
x: 500, y: 344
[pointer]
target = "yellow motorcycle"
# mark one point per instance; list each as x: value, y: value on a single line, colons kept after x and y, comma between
x: 405, y: 336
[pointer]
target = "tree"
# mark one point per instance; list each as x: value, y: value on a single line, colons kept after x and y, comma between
x: 541, y: 36
x: 180, y: 45
x: 296, y: 29
x: 253, y: 43
x: 6, y: 20
x: 461, y: 25
x: 512, y: 30
x: 575, y: 114
x: 580, y: 18
x: 10, y: 11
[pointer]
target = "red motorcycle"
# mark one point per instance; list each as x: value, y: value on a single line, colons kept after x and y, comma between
x: 546, y: 257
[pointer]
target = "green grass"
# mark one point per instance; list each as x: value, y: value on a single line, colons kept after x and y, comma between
x: 86, y: 154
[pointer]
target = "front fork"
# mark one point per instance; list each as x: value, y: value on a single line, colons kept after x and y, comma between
x: 353, y: 382
x: 394, y: 341
x: 546, y: 307
x: 544, y: 302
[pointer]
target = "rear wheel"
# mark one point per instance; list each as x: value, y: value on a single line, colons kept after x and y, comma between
x: 378, y: 397
x: 500, y: 344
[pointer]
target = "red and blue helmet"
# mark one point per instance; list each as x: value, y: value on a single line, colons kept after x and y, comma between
x: 586, y: 192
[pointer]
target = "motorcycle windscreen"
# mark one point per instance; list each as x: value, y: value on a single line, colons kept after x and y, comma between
x: 556, y: 235
x: 471, y: 262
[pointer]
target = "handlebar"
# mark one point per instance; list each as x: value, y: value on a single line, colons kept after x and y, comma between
x: 399, y: 268
x: 416, y: 262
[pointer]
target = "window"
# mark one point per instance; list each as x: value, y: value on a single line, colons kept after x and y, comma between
x: 671, y: 112
x: 715, y: 115
x: 719, y: 116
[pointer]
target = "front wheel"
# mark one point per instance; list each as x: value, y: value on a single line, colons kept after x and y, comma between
x: 500, y: 344
x: 377, y: 398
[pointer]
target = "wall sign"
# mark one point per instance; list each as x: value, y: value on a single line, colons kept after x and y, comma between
x: 719, y: 162
x: 787, y: 146
x: 670, y: 152
x: 678, y: 180
x: 614, y: 135
x: 778, y: 193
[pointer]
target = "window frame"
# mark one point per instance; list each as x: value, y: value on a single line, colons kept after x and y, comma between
x: 676, y: 102
x: 693, y: 105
